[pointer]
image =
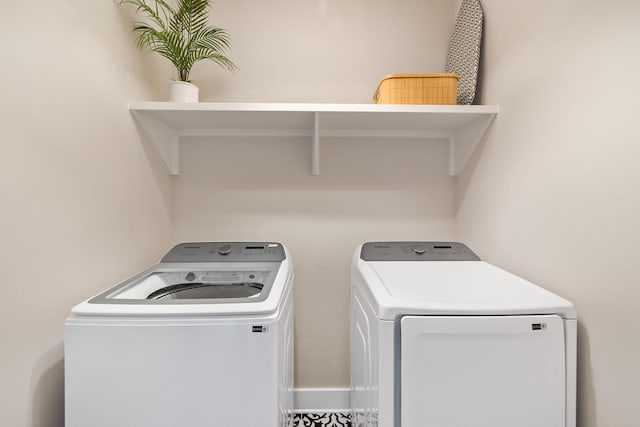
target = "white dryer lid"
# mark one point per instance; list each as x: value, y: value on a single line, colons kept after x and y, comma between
x: 455, y: 288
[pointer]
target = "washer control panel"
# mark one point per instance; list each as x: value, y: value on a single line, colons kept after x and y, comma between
x: 225, y: 252
x: 417, y: 251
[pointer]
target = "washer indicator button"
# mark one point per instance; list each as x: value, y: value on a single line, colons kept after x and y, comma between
x: 419, y: 250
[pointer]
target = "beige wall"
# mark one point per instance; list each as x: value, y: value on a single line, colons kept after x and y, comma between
x: 83, y: 202
x: 553, y: 194
x: 324, y: 50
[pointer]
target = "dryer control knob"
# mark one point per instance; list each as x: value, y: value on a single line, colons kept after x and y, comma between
x: 419, y: 250
x: 225, y: 250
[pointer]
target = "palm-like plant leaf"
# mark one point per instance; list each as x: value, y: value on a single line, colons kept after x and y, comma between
x: 181, y: 34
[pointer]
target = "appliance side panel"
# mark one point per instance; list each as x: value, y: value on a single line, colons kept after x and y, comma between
x: 286, y: 361
x: 386, y: 375
x: 498, y: 371
x: 362, y: 387
x: 571, y: 342
x: 373, y: 365
x: 374, y: 360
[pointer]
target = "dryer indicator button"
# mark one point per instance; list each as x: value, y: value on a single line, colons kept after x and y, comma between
x: 225, y: 250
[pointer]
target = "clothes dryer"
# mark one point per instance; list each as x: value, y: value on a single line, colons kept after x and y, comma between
x: 441, y: 338
x: 203, y: 338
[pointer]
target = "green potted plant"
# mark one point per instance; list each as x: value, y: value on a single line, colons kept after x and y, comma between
x: 182, y: 34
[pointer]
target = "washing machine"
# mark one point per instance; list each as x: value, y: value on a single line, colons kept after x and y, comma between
x: 441, y: 338
x: 203, y: 338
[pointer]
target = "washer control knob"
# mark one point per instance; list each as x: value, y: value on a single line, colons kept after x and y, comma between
x: 419, y: 250
x: 225, y: 250
x: 190, y: 276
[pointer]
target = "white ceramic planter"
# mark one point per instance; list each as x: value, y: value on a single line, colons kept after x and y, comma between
x: 180, y: 91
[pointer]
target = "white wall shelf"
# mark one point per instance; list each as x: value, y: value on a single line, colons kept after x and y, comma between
x: 166, y: 123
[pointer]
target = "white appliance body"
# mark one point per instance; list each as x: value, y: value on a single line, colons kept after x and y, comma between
x: 226, y: 360
x: 441, y: 338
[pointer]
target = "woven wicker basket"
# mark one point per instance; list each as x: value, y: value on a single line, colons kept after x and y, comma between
x: 438, y: 88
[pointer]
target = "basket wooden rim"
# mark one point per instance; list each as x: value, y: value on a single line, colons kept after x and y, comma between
x: 401, y: 76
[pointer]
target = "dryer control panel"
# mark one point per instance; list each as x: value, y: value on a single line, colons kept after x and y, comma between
x: 417, y: 251
x: 225, y: 252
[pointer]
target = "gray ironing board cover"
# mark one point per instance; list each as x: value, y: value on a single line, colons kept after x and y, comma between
x: 463, y: 57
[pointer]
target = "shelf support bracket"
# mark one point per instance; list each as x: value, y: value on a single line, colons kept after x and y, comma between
x: 163, y: 138
x: 464, y: 142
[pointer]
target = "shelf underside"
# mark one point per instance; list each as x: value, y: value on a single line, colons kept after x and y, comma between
x: 165, y: 124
